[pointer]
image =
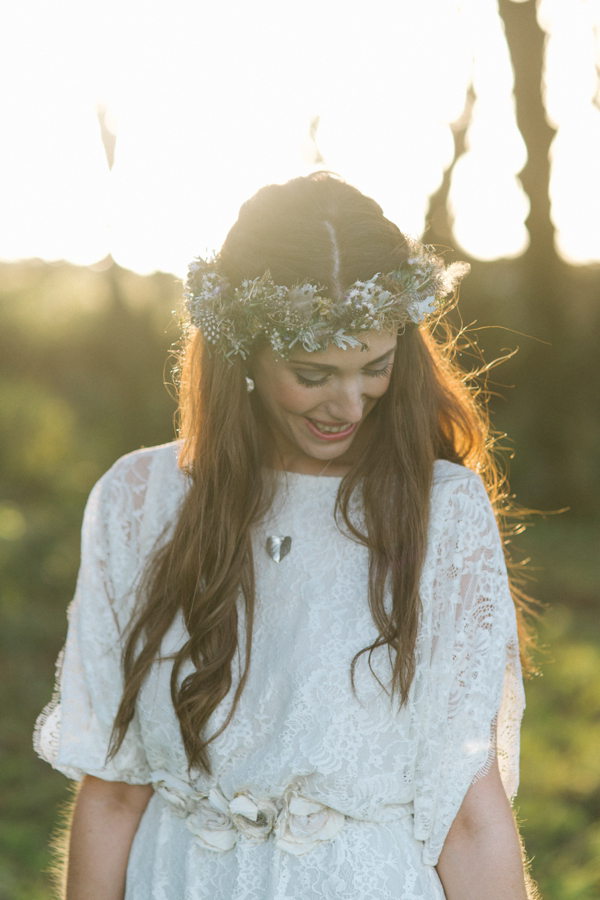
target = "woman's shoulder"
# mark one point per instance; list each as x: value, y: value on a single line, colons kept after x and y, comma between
x: 135, y: 472
x: 144, y: 484
x: 462, y: 517
x: 457, y: 487
x: 445, y: 471
x: 139, y: 465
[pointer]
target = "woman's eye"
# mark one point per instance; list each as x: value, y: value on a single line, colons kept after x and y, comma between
x: 316, y: 382
x: 308, y: 382
x: 379, y: 373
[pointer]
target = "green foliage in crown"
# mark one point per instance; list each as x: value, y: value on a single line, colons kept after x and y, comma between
x: 231, y: 319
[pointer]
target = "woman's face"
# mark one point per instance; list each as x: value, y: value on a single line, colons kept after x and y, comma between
x: 317, y: 403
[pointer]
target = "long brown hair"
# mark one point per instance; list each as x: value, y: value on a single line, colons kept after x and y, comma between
x: 427, y: 413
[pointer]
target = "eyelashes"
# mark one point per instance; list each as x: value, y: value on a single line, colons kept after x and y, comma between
x: 380, y: 373
x: 307, y: 383
x: 373, y: 373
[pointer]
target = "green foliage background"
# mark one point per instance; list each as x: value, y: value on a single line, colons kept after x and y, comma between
x: 83, y: 360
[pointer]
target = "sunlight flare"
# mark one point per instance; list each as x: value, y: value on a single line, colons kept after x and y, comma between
x: 204, y: 116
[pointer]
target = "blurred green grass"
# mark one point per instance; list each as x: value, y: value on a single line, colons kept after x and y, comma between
x: 559, y: 801
x: 82, y: 357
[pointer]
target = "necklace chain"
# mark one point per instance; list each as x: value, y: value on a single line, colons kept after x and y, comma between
x: 325, y: 467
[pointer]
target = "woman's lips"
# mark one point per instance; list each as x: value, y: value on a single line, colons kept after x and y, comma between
x: 315, y: 430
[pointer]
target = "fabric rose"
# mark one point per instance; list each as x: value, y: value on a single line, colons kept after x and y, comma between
x: 305, y: 823
x: 177, y: 793
x: 211, y: 823
x: 254, y: 818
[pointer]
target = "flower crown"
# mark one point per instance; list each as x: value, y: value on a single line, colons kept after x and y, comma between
x: 231, y: 319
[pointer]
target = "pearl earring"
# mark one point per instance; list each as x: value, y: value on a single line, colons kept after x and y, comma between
x: 249, y: 384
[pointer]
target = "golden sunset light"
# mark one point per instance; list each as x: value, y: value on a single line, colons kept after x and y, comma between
x: 210, y: 102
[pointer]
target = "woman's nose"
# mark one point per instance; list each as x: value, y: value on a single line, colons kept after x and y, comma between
x: 347, y: 402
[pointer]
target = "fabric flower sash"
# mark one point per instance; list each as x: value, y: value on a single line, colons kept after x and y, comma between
x: 297, y: 823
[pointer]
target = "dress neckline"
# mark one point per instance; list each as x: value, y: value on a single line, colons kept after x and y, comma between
x: 283, y: 473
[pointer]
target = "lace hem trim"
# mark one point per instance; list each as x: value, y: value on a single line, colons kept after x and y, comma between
x: 47, y: 726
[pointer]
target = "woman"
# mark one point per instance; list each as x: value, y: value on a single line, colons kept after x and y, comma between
x: 292, y: 665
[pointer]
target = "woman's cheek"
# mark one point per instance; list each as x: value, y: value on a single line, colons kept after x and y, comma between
x: 295, y: 397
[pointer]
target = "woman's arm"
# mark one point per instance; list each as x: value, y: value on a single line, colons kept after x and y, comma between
x: 105, y: 819
x: 482, y: 856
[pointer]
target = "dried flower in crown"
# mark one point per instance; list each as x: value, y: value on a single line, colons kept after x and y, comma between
x: 231, y: 319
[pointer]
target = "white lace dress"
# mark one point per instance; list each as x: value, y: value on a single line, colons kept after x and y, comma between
x: 316, y: 793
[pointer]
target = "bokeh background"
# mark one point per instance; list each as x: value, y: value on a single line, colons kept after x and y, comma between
x: 130, y: 132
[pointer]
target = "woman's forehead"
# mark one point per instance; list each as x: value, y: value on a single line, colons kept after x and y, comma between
x: 374, y: 345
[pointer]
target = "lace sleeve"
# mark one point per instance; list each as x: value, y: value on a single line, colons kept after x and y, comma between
x: 472, y: 699
x: 73, y: 732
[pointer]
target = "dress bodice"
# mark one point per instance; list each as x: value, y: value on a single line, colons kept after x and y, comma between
x: 306, y: 760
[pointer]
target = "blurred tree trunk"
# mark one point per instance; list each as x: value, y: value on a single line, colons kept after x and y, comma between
x: 542, y: 282
x: 526, y: 41
x: 439, y: 220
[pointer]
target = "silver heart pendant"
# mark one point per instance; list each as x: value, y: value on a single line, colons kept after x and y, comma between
x: 278, y: 547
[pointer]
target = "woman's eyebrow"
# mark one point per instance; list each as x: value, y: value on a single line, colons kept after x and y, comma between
x: 314, y: 365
